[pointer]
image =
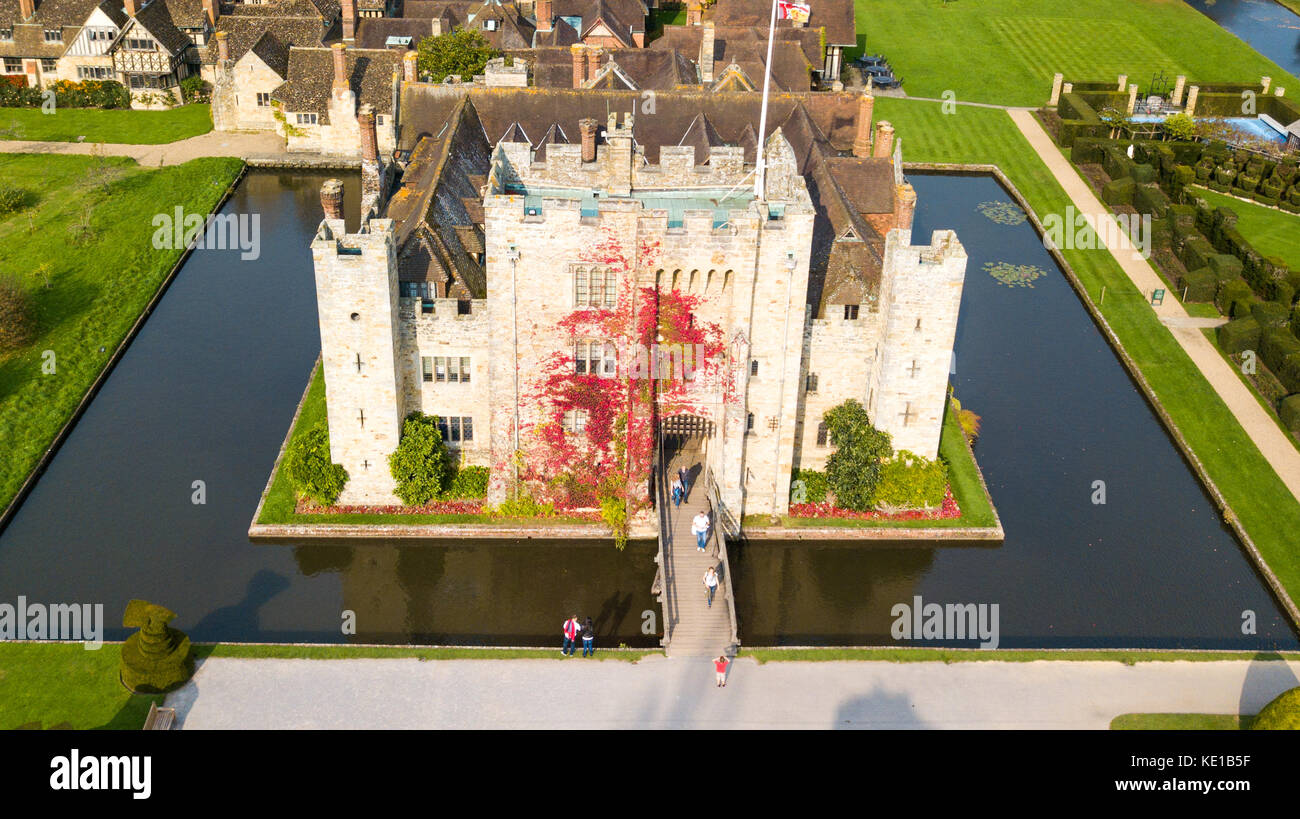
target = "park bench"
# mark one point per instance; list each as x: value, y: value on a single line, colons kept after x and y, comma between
x: 159, y: 719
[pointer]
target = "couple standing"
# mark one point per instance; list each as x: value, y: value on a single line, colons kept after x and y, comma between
x: 681, y: 486
x: 572, y: 630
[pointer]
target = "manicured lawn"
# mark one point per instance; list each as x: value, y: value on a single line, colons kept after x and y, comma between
x: 1179, y: 722
x: 100, y: 279
x: 664, y: 17
x: 1006, y: 51
x: 1272, y: 232
x: 57, y: 683
x: 1264, y: 506
x: 96, y: 125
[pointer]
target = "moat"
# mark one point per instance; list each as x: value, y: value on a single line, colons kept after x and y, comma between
x: 207, y: 390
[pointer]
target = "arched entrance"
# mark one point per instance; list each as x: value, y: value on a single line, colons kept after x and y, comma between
x: 684, y: 444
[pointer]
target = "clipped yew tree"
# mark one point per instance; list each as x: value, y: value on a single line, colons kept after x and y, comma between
x: 1282, y: 714
x: 853, y: 469
x: 419, y: 465
x: 313, y: 474
x: 157, y: 657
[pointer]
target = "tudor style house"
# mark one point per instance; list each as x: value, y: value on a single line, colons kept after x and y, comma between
x: 518, y: 210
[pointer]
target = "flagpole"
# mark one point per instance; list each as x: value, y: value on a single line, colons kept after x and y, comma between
x: 760, y: 178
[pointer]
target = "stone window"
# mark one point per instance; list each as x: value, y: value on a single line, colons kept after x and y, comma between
x: 451, y: 369
x: 13, y: 65
x: 456, y: 430
x: 306, y: 119
x: 94, y: 72
x: 811, y: 383
x: 414, y: 290
x: 850, y: 312
x: 594, y: 287
x: 263, y: 99
x: 575, y: 421
x: 426, y: 367
x: 140, y: 44
x: 823, y: 434
x: 749, y: 424
x: 48, y: 66
x: 595, y: 358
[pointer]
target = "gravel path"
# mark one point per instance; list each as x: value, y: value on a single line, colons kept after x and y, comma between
x: 661, y: 693
x: 213, y: 143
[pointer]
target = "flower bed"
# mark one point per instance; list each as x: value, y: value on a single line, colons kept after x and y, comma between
x: 471, y: 506
x: 948, y: 509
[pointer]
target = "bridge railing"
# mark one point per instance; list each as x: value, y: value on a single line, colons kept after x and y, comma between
x: 725, y: 524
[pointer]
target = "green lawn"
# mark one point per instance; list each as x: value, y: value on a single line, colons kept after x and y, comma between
x: 108, y: 126
x: 57, y: 683
x: 664, y: 17
x: 100, y: 280
x: 1272, y: 232
x: 1264, y: 506
x: 1179, y: 722
x: 1006, y: 51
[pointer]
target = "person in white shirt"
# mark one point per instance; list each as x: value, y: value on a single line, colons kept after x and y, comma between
x: 700, y: 528
x: 710, y: 584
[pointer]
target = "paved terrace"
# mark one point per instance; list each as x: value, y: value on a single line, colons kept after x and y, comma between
x: 658, y: 692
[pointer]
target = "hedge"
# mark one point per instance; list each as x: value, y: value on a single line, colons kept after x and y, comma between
x: 1289, y: 373
x: 1225, y: 266
x: 1238, y: 335
x: 1275, y: 345
x: 1270, y: 315
x: 1118, y: 192
x: 1150, y: 199
x: 1199, y: 285
x: 1289, y: 411
x: 1230, y: 292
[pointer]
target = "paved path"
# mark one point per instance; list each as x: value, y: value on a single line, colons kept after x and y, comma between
x: 213, y: 143
x: 1254, y: 419
x: 658, y: 692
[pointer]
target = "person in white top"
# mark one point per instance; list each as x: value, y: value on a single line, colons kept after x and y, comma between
x: 700, y: 528
x: 710, y: 584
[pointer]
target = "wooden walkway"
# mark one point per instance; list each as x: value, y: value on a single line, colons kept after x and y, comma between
x: 691, y: 627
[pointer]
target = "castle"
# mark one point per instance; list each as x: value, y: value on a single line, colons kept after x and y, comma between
x: 528, y: 229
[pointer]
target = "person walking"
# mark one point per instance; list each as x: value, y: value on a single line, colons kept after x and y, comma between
x: 684, y: 475
x: 678, y: 491
x: 710, y: 584
x: 700, y: 528
x: 588, y: 639
x: 720, y: 667
x: 571, y: 629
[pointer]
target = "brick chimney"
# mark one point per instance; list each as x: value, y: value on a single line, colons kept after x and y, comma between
x: 26, y: 8
x: 131, y: 7
x: 340, y: 52
x: 410, y: 66
x: 904, y: 206
x: 579, y: 53
x: 884, y: 140
x: 331, y: 198
x: 694, y: 12
x: 587, y: 127
x: 706, y: 52
x: 349, y: 19
x: 544, y: 16
x: 369, y: 142
x: 223, y: 46
x: 862, y: 140
x: 212, y: 8
x: 593, y: 60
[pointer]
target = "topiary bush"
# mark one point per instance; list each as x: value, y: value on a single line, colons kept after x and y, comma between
x: 310, y: 469
x: 419, y: 465
x: 1282, y: 714
x: 17, y: 315
x: 1231, y: 292
x: 908, y: 481
x: 1118, y: 191
x: 1225, y: 266
x: 814, y: 488
x: 853, y: 469
x: 157, y: 657
x: 1198, y: 285
x: 1238, y: 335
x: 1270, y: 314
x: 1275, y: 345
x: 1288, y: 409
x: 1289, y: 373
x: 468, y: 482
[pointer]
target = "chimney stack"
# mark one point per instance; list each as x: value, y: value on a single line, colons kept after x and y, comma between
x: 212, y: 8
x: 706, y: 52
x: 331, y: 198
x: 579, y: 53
x: 340, y: 67
x: 223, y: 46
x: 587, y: 127
x: 131, y: 7
x: 369, y: 142
x: 904, y: 206
x: 593, y: 60
x: 349, y: 20
x: 862, y: 140
x: 884, y: 147
x: 544, y: 15
x: 410, y: 66
x: 26, y: 8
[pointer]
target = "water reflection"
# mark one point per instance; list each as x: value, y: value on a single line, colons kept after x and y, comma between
x: 1270, y: 28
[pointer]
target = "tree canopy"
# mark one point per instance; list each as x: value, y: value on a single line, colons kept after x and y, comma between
x: 462, y: 53
x: 853, y: 470
x: 419, y: 465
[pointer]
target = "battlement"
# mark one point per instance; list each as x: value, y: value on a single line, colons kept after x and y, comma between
x: 375, y: 236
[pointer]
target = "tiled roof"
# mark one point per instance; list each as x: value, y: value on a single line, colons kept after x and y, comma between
x: 373, y: 32
x: 242, y: 32
x: 747, y: 48
x: 836, y: 16
x: 29, y: 35
x: 272, y: 52
x: 156, y: 18
x: 323, y: 10
x: 311, y: 76
x: 186, y: 13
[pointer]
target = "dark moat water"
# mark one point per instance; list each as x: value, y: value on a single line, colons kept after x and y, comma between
x: 1153, y: 567
x: 1271, y: 29
x: 207, y: 390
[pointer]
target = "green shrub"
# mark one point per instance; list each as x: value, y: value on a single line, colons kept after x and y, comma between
x: 1288, y: 410
x: 1199, y: 285
x: 908, y: 481
x: 14, y: 199
x: 1150, y: 199
x: 1289, y: 373
x: 1275, y: 345
x: 853, y: 469
x: 1230, y: 292
x: 613, y: 510
x: 1196, y: 252
x: 1282, y: 714
x: 1144, y: 173
x: 17, y: 315
x: 1226, y: 267
x: 1118, y: 191
x: 525, y: 506
x: 1241, y: 307
x: 157, y: 657
x: 1238, y: 335
x: 419, y: 465
x: 814, y: 488
x: 468, y: 482
x: 311, y: 471
x: 195, y: 89
x: 1282, y: 292
x: 1270, y: 314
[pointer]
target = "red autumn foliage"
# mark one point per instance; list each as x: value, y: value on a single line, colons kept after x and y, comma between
x: 948, y: 509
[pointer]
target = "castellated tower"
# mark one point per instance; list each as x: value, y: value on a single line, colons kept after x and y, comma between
x: 356, y: 295
x: 920, y: 297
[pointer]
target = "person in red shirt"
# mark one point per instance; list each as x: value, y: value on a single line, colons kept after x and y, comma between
x: 720, y: 666
x: 571, y: 629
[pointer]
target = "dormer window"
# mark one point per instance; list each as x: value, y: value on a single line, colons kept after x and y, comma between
x: 489, y: 25
x: 53, y: 35
x: 6, y: 33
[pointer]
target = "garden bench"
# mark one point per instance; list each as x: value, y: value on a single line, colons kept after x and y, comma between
x: 159, y: 719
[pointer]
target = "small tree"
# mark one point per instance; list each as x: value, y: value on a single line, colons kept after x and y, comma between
x: 853, y: 470
x: 1180, y: 127
x: 311, y: 471
x: 157, y: 657
x: 462, y: 53
x: 419, y: 464
x: 17, y: 315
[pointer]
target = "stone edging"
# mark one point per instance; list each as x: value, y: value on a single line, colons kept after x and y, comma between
x: 1135, y: 373
x: 963, y: 535
x: 66, y: 429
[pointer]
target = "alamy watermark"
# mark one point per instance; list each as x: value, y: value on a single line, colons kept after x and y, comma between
x: 212, y: 231
x: 1075, y: 230
x: 952, y: 621
x: 75, y: 622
